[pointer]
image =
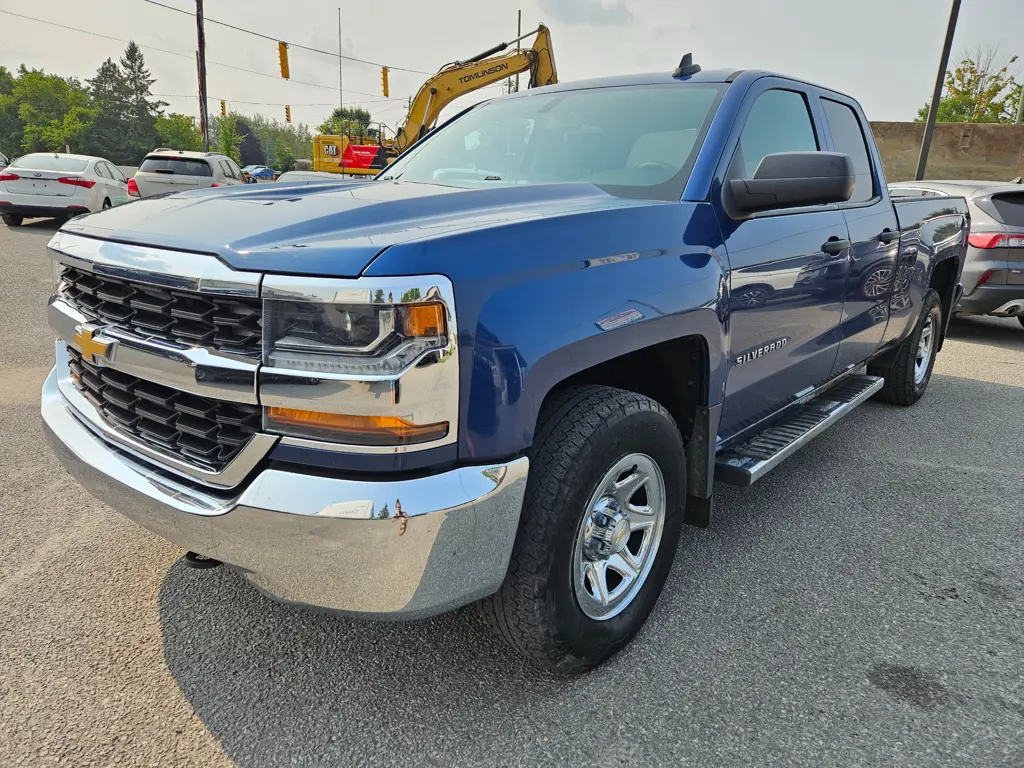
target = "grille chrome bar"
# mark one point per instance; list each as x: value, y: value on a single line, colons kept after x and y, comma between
x: 154, y: 445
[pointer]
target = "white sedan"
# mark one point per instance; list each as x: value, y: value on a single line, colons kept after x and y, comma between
x: 44, y: 185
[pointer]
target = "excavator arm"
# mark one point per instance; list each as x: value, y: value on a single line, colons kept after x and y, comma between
x: 462, y: 77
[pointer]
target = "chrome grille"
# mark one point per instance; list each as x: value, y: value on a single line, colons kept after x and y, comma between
x: 221, y: 322
x: 200, y: 430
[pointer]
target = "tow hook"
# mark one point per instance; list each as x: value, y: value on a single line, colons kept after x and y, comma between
x: 201, y: 562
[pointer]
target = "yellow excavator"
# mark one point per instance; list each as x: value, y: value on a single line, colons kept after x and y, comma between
x: 342, y: 154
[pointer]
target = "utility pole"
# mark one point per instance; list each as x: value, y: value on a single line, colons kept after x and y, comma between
x: 519, y: 33
x: 933, y: 109
x: 201, y: 65
x: 341, y: 99
x: 1020, y: 108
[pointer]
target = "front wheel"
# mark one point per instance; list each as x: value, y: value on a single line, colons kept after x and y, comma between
x: 911, y: 370
x: 599, y: 528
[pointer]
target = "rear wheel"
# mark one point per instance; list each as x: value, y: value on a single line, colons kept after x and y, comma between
x: 13, y: 219
x: 106, y: 204
x: 911, y: 370
x: 599, y: 528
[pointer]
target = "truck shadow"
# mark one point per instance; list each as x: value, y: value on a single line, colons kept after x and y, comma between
x: 781, y: 587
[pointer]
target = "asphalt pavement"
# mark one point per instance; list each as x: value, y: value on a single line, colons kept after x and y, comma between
x: 862, y: 605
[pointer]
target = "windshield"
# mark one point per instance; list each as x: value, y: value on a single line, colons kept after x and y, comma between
x: 50, y: 163
x: 633, y: 141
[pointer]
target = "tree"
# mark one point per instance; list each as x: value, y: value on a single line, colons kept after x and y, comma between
x: 141, y: 111
x: 348, y: 121
x: 12, y: 129
x: 228, y: 138
x: 108, y: 134
x: 978, y: 90
x: 55, y: 111
x: 284, y: 158
x: 179, y: 131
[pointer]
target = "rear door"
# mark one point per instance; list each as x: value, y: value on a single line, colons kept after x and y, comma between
x: 786, y: 291
x: 160, y: 174
x: 874, y: 234
x: 119, y: 189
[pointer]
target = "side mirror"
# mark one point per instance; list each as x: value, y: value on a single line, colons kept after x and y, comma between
x: 791, y: 180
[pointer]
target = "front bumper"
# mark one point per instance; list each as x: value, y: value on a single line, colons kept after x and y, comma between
x: 318, y: 541
x: 999, y: 300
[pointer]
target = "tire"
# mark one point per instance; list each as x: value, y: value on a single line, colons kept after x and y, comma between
x: 905, y: 382
x: 585, y: 434
x: 13, y: 219
x: 106, y: 204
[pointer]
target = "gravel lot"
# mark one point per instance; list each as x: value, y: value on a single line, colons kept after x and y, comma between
x: 863, y: 605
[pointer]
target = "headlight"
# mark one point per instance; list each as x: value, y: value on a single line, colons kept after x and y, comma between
x: 368, y: 364
x: 351, y: 338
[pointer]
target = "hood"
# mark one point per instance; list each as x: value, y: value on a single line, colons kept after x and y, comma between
x: 333, y: 229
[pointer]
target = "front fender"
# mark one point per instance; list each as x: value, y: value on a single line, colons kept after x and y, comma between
x: 541, y: 301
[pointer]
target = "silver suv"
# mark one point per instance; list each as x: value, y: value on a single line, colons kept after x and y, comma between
x: 168, y: 170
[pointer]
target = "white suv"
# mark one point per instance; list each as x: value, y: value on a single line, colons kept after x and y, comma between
x: 168, y: 170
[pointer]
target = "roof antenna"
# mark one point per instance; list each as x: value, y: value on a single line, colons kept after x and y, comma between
x: 686, y: 67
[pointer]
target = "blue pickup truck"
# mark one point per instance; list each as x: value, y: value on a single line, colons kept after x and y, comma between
x: 509, y: 369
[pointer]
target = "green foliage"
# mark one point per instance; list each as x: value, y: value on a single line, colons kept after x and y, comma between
x: 280, y: 142
x: 140, y: 111
x: 978, y: 90
x: 284, y: 158
x: 12, y: 129
x: 229, y: 140
x: 115, y: 116
x: 348, y: 121
x: 179, y: 131
x: 55, y: 111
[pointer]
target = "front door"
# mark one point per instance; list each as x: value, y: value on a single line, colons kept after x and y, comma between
x: 788, y: 270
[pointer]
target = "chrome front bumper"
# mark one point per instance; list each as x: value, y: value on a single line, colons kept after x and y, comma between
x: 318, y: 541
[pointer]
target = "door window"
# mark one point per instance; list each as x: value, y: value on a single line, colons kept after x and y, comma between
x: 848, y: 138
x: 779, y: 121
x: 236, y: 172
x: 115, y: 173
x: 101, y: 171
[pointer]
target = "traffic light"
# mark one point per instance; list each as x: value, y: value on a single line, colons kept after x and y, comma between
x: 287, y: 113
x: 384, y: 80
x: 282, y: 54
x: 223, y: 108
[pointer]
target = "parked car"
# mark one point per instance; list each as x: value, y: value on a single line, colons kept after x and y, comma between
x: 168, y: 170
x: 509, y: 370
x: 44, y: 185
x: 994, y: 271
x: 254, y: 173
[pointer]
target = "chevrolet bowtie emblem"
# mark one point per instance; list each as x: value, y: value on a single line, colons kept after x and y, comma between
x: 92, y: 345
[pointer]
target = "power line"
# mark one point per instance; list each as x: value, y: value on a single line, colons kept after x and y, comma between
x: 172, y: 53
x: 290, y: 45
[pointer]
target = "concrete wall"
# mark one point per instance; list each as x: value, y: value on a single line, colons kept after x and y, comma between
x: 986, y: 151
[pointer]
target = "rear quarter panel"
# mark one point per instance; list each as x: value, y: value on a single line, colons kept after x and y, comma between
x: 932, y: 230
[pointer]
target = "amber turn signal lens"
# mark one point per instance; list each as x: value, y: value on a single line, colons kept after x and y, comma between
x: 423, y: 320
x: 357, y: 430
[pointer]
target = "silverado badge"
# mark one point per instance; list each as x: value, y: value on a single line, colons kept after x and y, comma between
x: 753, y: 354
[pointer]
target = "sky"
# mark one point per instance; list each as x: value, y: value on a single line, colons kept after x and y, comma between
x: 882, y: 52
